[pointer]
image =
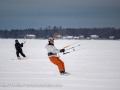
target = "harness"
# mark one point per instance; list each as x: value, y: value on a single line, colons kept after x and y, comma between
x: 51, y: 54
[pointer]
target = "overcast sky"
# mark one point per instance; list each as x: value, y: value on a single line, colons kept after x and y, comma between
x: 23, y: 14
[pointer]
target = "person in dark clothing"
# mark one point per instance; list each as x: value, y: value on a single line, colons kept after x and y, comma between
x: 18, y: 48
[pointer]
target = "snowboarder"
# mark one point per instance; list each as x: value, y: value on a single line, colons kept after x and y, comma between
x: 52, y: 54
x: 18, y: 48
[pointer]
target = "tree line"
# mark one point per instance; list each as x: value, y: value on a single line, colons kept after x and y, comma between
x: 103, y: 33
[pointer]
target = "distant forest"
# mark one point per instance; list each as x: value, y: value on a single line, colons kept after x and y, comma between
x: 103, y: 33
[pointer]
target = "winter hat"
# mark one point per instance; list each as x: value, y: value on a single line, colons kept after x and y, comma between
x: 51, y: 38
x: 16, y: 40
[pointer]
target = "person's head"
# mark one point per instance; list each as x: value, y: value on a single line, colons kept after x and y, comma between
x: 16, y: 41
x: 51, y: 40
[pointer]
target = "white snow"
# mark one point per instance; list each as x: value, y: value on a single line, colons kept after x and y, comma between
x: 95, y: 67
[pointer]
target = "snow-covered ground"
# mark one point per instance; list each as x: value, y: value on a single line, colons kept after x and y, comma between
x: 95, y: 67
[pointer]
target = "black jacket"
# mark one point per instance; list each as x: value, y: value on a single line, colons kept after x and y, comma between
x: 18, y: 46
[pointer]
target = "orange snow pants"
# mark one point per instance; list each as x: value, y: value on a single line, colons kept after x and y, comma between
x: 58, y: 62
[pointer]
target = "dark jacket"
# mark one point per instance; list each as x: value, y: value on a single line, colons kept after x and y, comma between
x: 18, y: 46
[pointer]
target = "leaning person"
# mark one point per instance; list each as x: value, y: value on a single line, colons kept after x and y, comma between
x: 52, y: 54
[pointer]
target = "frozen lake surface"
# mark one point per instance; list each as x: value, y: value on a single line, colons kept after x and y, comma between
x: 96, y: 66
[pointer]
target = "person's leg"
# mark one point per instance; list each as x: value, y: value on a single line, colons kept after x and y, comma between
x: 58, y: 62
x: 21, y: 52
x: 17, y: 53
x: 62, y: 63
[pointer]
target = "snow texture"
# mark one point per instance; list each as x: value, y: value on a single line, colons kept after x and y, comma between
x: 96, y: 66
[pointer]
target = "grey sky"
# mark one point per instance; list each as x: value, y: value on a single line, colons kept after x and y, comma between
x: 66, y: 13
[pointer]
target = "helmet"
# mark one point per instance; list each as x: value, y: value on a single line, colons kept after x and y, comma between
x: 51, y: 38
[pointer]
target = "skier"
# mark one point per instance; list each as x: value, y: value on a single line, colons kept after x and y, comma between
x: 18, y: 48
x: 52, y: 54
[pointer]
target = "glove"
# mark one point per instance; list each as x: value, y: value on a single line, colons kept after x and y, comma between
x: 62, y: 50
x: 21, y: 44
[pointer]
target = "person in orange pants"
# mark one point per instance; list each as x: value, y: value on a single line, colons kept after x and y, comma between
x: 52, y: 54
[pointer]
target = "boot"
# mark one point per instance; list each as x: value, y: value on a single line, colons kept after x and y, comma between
x: 19, y: 58
x: 62, y: 72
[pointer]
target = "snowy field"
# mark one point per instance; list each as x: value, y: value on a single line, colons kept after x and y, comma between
x: 95, y: 67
